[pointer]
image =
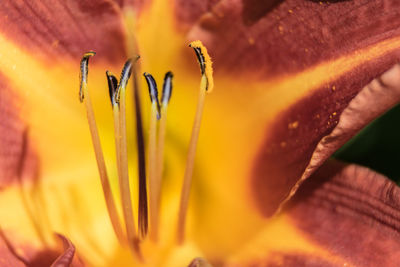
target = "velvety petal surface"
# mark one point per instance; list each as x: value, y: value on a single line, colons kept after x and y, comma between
x: 333, y: 125
x: 280, y: 37
x: 40, y: 50
x: 66, y: 258
x: 299, y: 64
x: 278, y: 93
x: 15, y: 252
x: 261, y: 124
x: 345, y: 215
x: 16, y: 161
x: 52, y: 29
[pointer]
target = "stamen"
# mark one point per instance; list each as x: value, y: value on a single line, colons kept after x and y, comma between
x: 125, y: 74
x: 84, y: 93
x: 167, y: 88
x: 152, y: 160
x: 119, y: 112
x: 112, y: 85
x: 153, y: 92
x: 204, y: 62
x: 166, y: 96
x: 206, y: 84
x: 84, y: 73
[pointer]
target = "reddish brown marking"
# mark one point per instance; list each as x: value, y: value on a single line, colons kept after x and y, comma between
x: 294, y: 35
x: 67, y: 256
x: 351, y: 212
x: 254, y: 10
x: 52, y: 29
x: 17, y: 158
x: 137, y: 5
x: 15, y: 254
x: 188, y: 12
x: 287, y: 151
x: 291, y: 260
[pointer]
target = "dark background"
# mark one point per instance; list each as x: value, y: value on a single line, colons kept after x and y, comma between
x: 377, y: 146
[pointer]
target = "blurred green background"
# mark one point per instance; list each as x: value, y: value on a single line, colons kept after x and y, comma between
x: 377, y: 146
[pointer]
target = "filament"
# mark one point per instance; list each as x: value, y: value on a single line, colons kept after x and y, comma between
x: 151, y: 157
x: 166, y: 96
x: 84, y: 94
x: 119, y: 112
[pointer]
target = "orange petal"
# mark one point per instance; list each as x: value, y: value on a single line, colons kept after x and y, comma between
x: 353, y: 212
x: 312, y: 57
x: 136, y: 4
x: 16, y: 253
x: 67, y: 257
x: 52, y: 29
x: 17, y: 156
x: 346, y: 215
x: 305, y: 137
x: 275, y: 39
x: 278, y: 92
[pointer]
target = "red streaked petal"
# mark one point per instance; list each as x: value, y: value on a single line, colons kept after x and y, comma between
x: 345, y: 215
x: 66, y: 258
x: 286, y: 44
x: 17, y: 253
x: 136, y: 4
x: 17, y: 156
x: 353, y: 212
x: 282, y: 99
x: 52, y: 29
x: 299, y: 260
x: 8, y: 255
x: 279, y: 37
x: 188, y: 12
x: 314, y: 128
x: 293, y: 260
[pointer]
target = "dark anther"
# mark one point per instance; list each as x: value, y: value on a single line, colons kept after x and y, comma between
x: 112, y: 85
x: 200, y: 58
x: 167, y: 88
x: 84, y: 72
x: 153, y: 92
x: 125, y: 74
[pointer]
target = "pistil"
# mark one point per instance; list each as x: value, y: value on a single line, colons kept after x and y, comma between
x: 131, y: 48
x: 108, y: 196
x: 143, y: 209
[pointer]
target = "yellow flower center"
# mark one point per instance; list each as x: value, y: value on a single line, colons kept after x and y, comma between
x: 157, y: 127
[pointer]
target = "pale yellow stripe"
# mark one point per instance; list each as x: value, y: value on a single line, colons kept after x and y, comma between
x: 47, y: 100
x: 286, y: 90
x: 280, y: 237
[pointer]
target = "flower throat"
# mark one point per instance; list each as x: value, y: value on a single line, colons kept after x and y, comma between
x: 151, y: 181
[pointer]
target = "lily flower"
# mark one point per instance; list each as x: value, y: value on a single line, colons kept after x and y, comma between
x: 237, y: 177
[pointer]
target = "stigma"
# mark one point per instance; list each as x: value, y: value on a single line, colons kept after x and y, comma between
x: 150, y: 155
